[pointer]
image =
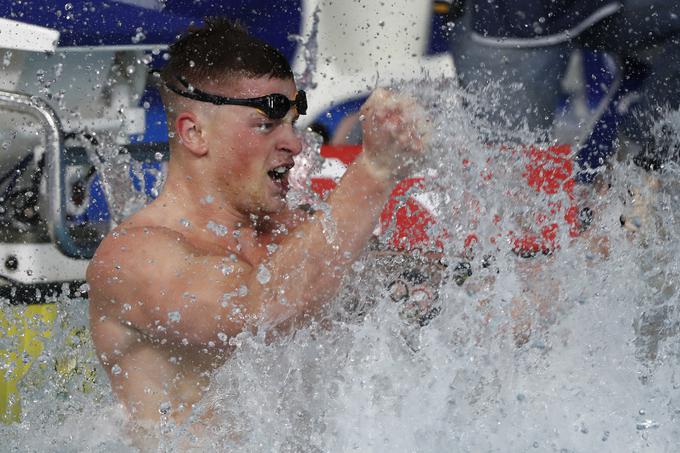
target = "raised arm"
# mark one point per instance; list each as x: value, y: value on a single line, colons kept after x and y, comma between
x: 309, y: 265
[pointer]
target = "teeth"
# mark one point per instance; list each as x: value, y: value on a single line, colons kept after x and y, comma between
x: 279, y: 172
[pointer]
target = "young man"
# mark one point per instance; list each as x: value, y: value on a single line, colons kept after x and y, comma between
x: 219, y: 252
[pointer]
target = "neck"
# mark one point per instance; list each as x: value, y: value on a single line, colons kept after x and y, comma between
x: 188, y: 196
x: 199, y: 199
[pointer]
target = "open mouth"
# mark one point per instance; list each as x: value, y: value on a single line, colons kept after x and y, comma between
x: 280, y: 174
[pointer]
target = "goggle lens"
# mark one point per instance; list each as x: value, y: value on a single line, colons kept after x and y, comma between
x: 278, y: 105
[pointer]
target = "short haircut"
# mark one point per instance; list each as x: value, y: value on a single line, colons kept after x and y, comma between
x: 220, y: 50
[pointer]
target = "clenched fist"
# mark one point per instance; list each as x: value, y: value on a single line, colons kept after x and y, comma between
x: 395, y: 132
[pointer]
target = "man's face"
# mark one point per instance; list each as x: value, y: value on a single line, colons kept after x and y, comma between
x: 251, y: 154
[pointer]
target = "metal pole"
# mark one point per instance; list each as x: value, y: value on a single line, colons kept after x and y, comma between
x: 54, y: 151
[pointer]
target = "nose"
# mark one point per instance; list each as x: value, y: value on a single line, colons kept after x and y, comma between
x: 291, y: 140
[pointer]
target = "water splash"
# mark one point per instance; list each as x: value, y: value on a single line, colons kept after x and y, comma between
x: 569, y: 349
x: 115, y: 167
x: 310, y: 49
x: 307, y: 164
x: 548, y: 352
x: 65, y: 390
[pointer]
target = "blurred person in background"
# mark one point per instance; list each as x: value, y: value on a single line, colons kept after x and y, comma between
x: 524, y: 46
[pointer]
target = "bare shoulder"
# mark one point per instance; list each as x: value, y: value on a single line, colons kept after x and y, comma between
x: 127, y: 244
x: 129, y: 256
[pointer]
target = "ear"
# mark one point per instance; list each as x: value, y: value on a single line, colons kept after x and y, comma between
x: 189, y: 131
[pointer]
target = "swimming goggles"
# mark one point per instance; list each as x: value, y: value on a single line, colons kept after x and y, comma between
x: 275, y: 106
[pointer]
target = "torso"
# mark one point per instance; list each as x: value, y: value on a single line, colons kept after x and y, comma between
x: 148, y: 376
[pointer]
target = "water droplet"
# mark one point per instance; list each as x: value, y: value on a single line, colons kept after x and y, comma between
x: 68, y: 7
x: 227, y: 269
x: 224, y: 302
x: 174, y: 316
x: 243, y: 291
x: 190, y: 296
x: 127, y: 307
x: 218, y: 229
x: 646, y: 424
x: 130, y: 69
x: 116, y: 369
x: 7, y: 59
x: 271, y: 248
x: 222, y: 336
x: 139, y: 35
x: 185, y: 223
x: 263, y: 275
x: 192, y: 63
x: 164, y: 408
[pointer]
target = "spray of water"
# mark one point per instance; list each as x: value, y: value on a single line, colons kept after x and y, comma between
x: 569, y: 347
x: 569, y: 350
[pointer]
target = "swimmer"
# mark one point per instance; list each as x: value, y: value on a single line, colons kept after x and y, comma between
x: 219, y: 252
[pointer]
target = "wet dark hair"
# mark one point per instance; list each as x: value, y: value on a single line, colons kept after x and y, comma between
x: 219, y: 50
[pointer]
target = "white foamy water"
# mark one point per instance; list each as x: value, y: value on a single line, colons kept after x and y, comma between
x: 573, y: 351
